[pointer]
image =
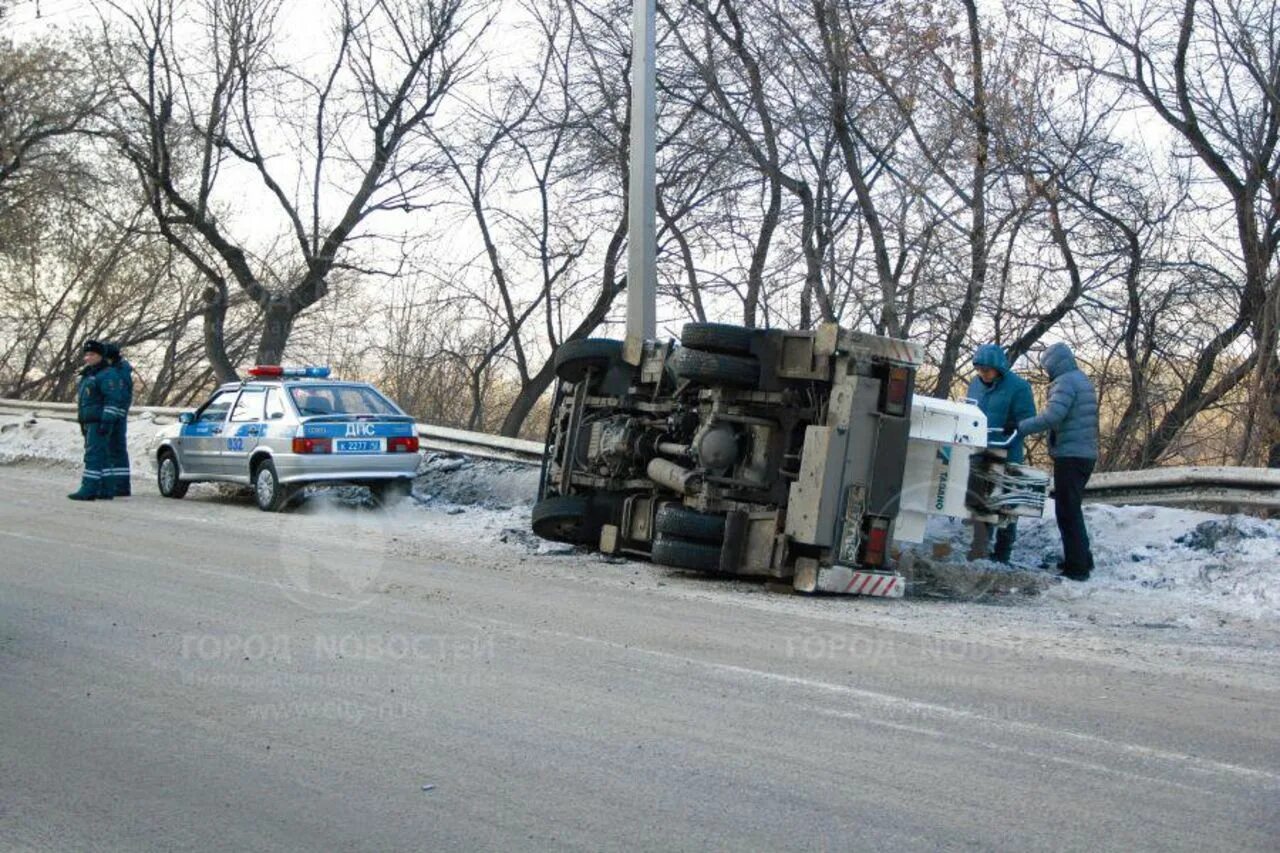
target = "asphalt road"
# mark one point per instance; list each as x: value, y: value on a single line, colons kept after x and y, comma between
x: 199, y: 675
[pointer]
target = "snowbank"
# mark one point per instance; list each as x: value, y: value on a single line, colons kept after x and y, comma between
x: 49, y: 441
x: 1180, y: 565
x: 1165, y: 567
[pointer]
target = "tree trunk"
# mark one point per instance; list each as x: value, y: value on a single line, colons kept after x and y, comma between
x: 215, y: 342
x: 277, y: 325
x: 541, y: 381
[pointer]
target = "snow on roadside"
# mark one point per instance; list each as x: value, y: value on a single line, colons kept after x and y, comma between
x: 1158, y: 565
x: 1178, y: 566
x: 50, y: 441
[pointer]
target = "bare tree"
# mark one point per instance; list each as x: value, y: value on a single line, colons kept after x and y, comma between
x: 46, y: 98
x: 199, y: 96
x: 1208, y: 69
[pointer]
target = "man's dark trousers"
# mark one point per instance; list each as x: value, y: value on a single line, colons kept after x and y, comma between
x: 93, y: 483
x: 117, y: 473
x: 1070, y: 474
x: 1005, y: 537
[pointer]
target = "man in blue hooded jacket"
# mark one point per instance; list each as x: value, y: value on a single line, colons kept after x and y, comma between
x: 1071, y: 419
x: 1005, y: 398
x: 116, y: 474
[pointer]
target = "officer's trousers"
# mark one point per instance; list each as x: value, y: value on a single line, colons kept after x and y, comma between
x: 93, y: 482
x: 116, y: 475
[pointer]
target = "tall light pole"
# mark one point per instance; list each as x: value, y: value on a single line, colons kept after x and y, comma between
x: 642, y: 238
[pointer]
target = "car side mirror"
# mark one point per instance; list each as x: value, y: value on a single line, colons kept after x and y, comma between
x: 187, y: 418
x: 275, y: 416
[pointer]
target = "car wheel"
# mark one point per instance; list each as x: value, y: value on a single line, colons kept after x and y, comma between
x: 718, y: 337
x: 684, y: 523
x: 391, y: 493
x: 574, y: 359
x: 268, y: 492
x: 565, y: 518
x: 167, y: 477
x: 684, y: 554
x: 709, y: 368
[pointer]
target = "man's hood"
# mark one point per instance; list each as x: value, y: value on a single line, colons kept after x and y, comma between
x: 1057, y: 360
x: 991, y: 355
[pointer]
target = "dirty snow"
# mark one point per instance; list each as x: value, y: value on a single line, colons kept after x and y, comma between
x: 1179, y: 566
x: 1157, y: 568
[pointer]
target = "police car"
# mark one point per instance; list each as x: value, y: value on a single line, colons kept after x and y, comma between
x: 286, y: 427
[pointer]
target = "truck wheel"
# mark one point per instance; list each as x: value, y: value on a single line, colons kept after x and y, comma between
x: 575, y: 358
x: 268, y: 492
x: 684, y: 554
x: 167, y: 477
x: 711, y: 368
x: 684, y: 523
x: 718, y: 337
x: 564, y: 518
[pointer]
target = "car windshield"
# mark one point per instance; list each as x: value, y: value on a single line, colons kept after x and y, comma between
x: 340, y: 400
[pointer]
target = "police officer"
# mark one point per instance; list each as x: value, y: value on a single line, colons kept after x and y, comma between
x: 97, y: 393
x: 116, y: 474
x: 1006, y: 399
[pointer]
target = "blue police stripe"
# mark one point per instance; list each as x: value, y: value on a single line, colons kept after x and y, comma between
x: 357, y: 429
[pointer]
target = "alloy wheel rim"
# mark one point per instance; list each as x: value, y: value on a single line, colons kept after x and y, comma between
x: 167, y: 474
x: 265, y: 487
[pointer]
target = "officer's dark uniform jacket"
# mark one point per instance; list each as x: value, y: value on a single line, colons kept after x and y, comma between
x: 92, y: 400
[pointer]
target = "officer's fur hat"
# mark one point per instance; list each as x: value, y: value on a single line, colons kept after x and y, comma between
x: 95, y: 346
x: 111, y: 352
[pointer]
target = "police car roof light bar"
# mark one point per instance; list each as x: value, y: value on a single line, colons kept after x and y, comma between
x: 275, y: 370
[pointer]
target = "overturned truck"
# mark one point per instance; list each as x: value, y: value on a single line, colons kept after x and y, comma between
x: 801, y: 456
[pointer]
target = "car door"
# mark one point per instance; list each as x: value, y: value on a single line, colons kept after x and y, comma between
x: 244, y: 429
x: 281, y: 424
x: 202, y: 439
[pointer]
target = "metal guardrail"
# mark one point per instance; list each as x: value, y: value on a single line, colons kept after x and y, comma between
x: 1182, y: 486
x: 1188, y: 486
x: 440, y: 439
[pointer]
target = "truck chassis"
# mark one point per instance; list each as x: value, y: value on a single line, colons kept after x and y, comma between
x: 794, y: 455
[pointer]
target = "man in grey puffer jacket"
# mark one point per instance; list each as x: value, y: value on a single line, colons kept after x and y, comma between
x: 1071, y: 418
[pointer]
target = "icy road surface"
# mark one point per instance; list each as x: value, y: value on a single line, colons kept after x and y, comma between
x: 197, y: 675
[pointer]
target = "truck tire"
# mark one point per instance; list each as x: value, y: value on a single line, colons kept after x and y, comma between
x: 709, y: 368
x: 684, y: 554
x: 565, y: 518
x: 574, y: 359
x: 718, y: 337
x: 683, y: 523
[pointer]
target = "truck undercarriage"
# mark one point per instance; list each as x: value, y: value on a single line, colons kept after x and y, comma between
x: 794, y: 455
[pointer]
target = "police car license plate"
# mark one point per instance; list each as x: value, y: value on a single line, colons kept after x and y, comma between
x: 358, y: 445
